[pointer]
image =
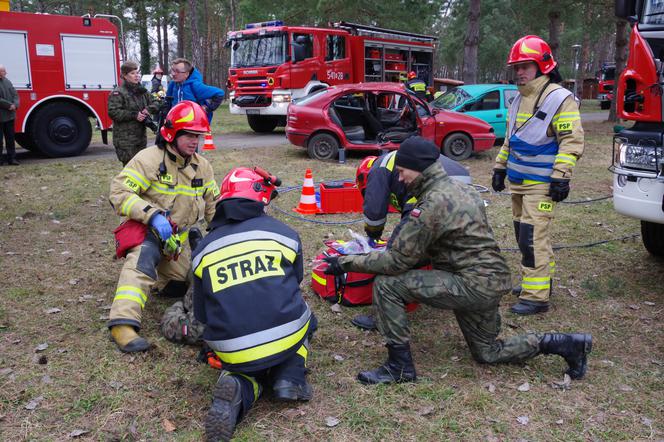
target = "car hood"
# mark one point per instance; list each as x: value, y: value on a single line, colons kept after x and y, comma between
x: 448, y: 117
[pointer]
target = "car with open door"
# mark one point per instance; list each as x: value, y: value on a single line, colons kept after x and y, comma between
x: 371, y: 116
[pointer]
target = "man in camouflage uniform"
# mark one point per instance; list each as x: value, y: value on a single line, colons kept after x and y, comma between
x: 129, y: 105
x: 449, y: 227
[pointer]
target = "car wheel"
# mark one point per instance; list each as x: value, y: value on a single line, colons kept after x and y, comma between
x: 457, y: 146
x: 262, y: 124
x: 61, y: 130
x: 323, y: 147
x: 652, y: 235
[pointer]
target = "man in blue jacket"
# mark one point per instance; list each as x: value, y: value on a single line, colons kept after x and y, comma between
x: 187, y: 84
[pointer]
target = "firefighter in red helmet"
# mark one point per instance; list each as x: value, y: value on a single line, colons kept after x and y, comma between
x: 156, y: 84
x: 418, y: 86
x: 247, y: 275
x: 543, y: 142
x: 166, y: 189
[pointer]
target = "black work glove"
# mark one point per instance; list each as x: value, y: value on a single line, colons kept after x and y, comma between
x: 374, y: 232
x: 559, y: 189
x: 498, y: 179
x: 333, y: 266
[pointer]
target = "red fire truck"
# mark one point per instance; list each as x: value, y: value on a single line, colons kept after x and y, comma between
x: 63, y: 69
x: 272, y: 64
x: 606, y: 78
x: 638, y: 152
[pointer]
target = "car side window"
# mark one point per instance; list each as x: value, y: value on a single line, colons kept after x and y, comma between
x: 509, y: 95
x: 490, y: 101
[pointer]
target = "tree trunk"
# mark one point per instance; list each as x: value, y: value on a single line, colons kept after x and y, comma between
x: 206, y: 41
x: 196, y: 49
x: 143, y: 38
x: 471, y: 43
x: 621, y: 58
x: 160, y: 50
x: 181, y: 29
x: 554, y: 26
x: 165, y: 62
x: 233, y: 7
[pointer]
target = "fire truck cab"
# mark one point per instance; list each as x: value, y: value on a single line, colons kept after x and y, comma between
x: 272, y: 64
x: 638, y: 151
x: 606, y: 79
x: 63, y: 69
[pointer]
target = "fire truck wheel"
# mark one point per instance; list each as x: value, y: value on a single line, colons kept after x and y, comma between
x: 263, y: 124
x: 61, y: 130
x: 25, y: 141
x: 653, y: 237
x: 457, y: 146
x: 323, y: 147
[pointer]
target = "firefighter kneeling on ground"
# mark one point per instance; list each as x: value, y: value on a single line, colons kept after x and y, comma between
x: 247, y: 275
x: 378, y: 181
x: 168, y: 187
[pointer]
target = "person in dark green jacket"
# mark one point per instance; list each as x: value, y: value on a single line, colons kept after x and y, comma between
x: 130, y: 106
x: 448, y: 227
x: 8, y: 105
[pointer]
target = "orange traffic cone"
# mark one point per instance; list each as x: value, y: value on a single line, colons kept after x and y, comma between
x: 209, y: 142
x: 307, y: 204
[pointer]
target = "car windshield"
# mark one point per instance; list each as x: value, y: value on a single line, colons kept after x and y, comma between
x: 252, y: 51
x: 311, y: 97
x: 451, y: 99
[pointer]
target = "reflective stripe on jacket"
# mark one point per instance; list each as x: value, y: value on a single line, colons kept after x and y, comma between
x: 247, y: 278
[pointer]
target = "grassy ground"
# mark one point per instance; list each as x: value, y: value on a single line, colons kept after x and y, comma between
x: 591, y: 106
x: 56, y: 251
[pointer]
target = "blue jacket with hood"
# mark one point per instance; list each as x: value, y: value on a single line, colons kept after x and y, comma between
x: 193, y: 89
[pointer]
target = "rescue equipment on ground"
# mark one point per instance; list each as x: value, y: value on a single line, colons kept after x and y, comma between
x: 307, y: 205
x: 209, y: 142
x: 128, y: 235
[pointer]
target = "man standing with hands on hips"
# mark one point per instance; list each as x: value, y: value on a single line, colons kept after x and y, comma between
x: 543, y: 142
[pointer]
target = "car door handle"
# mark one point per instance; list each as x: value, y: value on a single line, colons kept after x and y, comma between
x: 499, y: 115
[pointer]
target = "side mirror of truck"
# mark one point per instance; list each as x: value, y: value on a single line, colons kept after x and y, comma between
x: 624, y: 8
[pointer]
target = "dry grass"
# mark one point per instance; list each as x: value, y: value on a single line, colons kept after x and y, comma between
x: 55, y: 252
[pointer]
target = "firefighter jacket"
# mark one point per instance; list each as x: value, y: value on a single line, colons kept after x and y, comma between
x: 544, y: 137
x: 447, y: 226
x: 193, y: 89
x: 247, y: 275
x: 160, y: 180
x: 419, y: 87
x: 384, y: 189
x: 124, y: 104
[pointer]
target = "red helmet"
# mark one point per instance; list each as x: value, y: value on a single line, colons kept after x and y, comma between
x: 362, y: 174
x: 187, y: 116
x: 532, y: 48
x: 253, y: 184
x: 157, y: 70
x: 412, y: 75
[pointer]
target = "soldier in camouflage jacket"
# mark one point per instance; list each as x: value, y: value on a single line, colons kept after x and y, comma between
x: 128, y: 106
x: 449, y: 228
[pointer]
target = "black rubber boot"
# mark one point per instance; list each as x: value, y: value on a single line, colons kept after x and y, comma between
x: 174, y: 289
x: 286, y: 391
x: 399, y: 367
x: 225, y: 409
x: 525, y: 307
x: 365, y: 322
x: 574, y: 348
x: 516, y: 290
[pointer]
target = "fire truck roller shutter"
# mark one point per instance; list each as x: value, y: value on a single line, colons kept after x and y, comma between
x: 60, y: 129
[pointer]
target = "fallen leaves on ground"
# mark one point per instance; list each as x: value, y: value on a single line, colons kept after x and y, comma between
x: 168, y: 426
x: 34, y: 403
x: 523, y: 420
x: 77, y: 433
x: 524, y: 387
x: 331, y: 421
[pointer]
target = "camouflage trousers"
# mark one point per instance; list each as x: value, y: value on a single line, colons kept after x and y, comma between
x: 126, y: 153
x: 476, y: 313
x: 178, y: 323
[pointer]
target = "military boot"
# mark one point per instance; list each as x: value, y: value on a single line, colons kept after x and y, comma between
x: 225, y: 409
x: 573, y: 347
x: 516, y: 290
x: 127, y: 339
x: 365, y: 322
x: 398, y: 367
x: 286, y: 391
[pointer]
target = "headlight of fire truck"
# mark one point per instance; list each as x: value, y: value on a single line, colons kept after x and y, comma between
x: 281, y: 98
x: 642, y: 156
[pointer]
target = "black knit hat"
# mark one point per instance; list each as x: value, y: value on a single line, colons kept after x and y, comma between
x: 417, y: 153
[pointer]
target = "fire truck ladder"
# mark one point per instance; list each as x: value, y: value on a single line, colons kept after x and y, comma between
x: 374, y: 31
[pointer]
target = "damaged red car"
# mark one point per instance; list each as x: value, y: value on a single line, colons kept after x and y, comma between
x: 371, y: 116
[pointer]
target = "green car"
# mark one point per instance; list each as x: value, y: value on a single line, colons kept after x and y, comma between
x: 488, y: 102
